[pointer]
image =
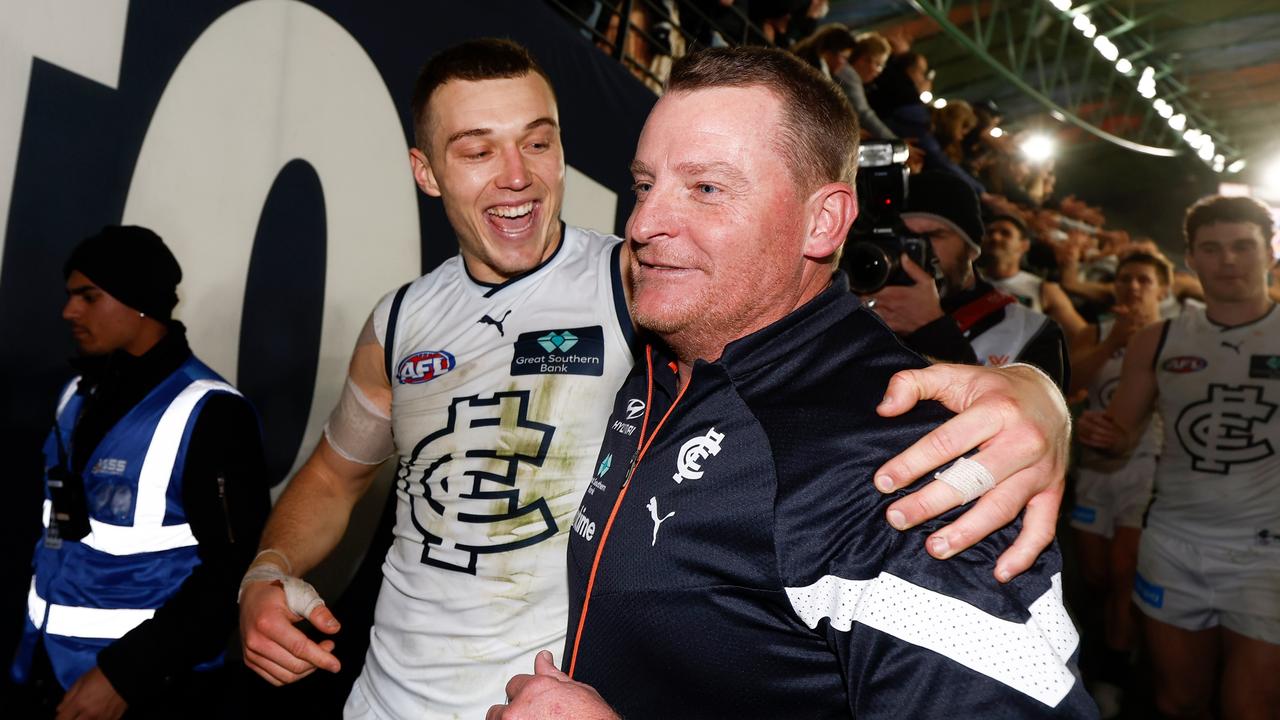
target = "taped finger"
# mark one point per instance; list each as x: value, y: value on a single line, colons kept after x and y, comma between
x: 970, y: 478
x: 301, y: 597
x: 938, y: 447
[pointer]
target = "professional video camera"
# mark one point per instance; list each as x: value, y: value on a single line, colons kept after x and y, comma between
x: 878, y: 237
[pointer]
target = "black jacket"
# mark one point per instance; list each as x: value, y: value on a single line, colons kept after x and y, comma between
x: 746, y: 569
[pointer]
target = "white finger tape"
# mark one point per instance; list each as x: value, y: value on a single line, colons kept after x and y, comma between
x: 968, y: 477
x: 301, y: 596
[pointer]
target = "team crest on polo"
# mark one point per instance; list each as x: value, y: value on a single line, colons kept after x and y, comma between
x: 1218, y: 432
x: 468, y: 483
x: 564, y: 351
x: 424, y: 365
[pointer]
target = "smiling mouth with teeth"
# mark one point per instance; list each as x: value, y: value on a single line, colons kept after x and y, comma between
x: 512, y: 211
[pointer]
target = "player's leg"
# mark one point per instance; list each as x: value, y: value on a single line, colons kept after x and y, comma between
x: 1122, y: 626
x: 1249, y: 678
x: 1180, y: 626
x: 1185, y: 664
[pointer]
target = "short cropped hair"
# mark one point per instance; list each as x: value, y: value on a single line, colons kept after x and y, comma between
x: 1220, y: 208
x: 1163, y: 268
x: 473, y: 60
x: 870, y: 43
x: 1015, y: 221
x: 819, y: 138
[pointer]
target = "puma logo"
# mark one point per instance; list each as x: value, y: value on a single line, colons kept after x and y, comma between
x: 1235, y: 347
x: 486, y: 320
x: 653, y: 513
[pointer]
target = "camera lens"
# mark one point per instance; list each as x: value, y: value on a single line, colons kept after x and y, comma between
x: 868, y: 267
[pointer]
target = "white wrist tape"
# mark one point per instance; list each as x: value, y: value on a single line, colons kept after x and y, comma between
x: 299, y: 595
x: 968, y: 477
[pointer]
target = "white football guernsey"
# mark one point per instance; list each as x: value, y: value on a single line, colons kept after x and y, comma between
x: 1218, y: 479
x: 1101, y: 391
x: 1025, y: 286
x: 500, y: 399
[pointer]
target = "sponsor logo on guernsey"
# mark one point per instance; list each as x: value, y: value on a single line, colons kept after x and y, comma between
x: 1218, y: 432
x: 486, y: 320
x: 635, y: 408
x: 424, y: 365
x: 601, y: 471
x: 109, y: 466
x: 1084, y: 514
x: 573, y: 351
x: 694, y: 452
x: 1150, y: 593
x: 1184, y: 364
x: 653, y: 513
x: 1264, y: 367
x: 583, y: 526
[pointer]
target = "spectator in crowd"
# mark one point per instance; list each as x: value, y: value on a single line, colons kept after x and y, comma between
x: 715, y: 23
x: 828, y: 49
x: 952, y: 123
x: 1111, y: 497
x: 980, y: 146
x: 1208, y: 576
x: 1005, y: 244
x: 805, y: 18
x: 895, y: 97
x: 764, y: 532
x: 968, y: 320
x: 866, y: 62
x: 157, y: 491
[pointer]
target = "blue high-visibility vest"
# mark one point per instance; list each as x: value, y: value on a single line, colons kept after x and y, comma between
x: 88, y: 593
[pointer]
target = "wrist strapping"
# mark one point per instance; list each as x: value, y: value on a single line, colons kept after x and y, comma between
x: 299, y: 595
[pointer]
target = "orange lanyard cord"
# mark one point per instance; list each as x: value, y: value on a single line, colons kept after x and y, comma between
x: 604, y: 536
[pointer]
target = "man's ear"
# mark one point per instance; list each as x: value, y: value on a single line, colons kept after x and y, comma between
x: 422, y: 174
x: 832, y: 209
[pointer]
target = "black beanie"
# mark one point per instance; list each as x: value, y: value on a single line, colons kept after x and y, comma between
x: 131, y: 264
x: 946, y: 196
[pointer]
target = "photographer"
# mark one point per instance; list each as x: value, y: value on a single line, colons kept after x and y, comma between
x: 961, y: 318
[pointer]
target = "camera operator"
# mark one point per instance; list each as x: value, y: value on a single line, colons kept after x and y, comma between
x: 960, y: 317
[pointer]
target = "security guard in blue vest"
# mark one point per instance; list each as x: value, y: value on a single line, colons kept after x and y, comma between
x: 156, y: 494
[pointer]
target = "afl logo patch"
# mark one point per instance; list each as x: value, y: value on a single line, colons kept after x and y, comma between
x: 1185, y: 364
x: 423, y: 366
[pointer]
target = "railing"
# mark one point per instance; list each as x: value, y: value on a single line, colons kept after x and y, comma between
x: 647, y: 35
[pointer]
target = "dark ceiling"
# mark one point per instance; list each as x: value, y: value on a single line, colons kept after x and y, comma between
x: 1218, y: 61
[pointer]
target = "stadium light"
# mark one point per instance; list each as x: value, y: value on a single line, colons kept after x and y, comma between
x: 1123, y: 66
x: 1178, y: 122
x: 940, y: 103
x: 1106, y: 48
x: 926, y: 97
x: 996, y: 132
x: 1237, y: 166
x: 1038, y: 148
x: 1062, y: 5
x: 1271, y: 177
